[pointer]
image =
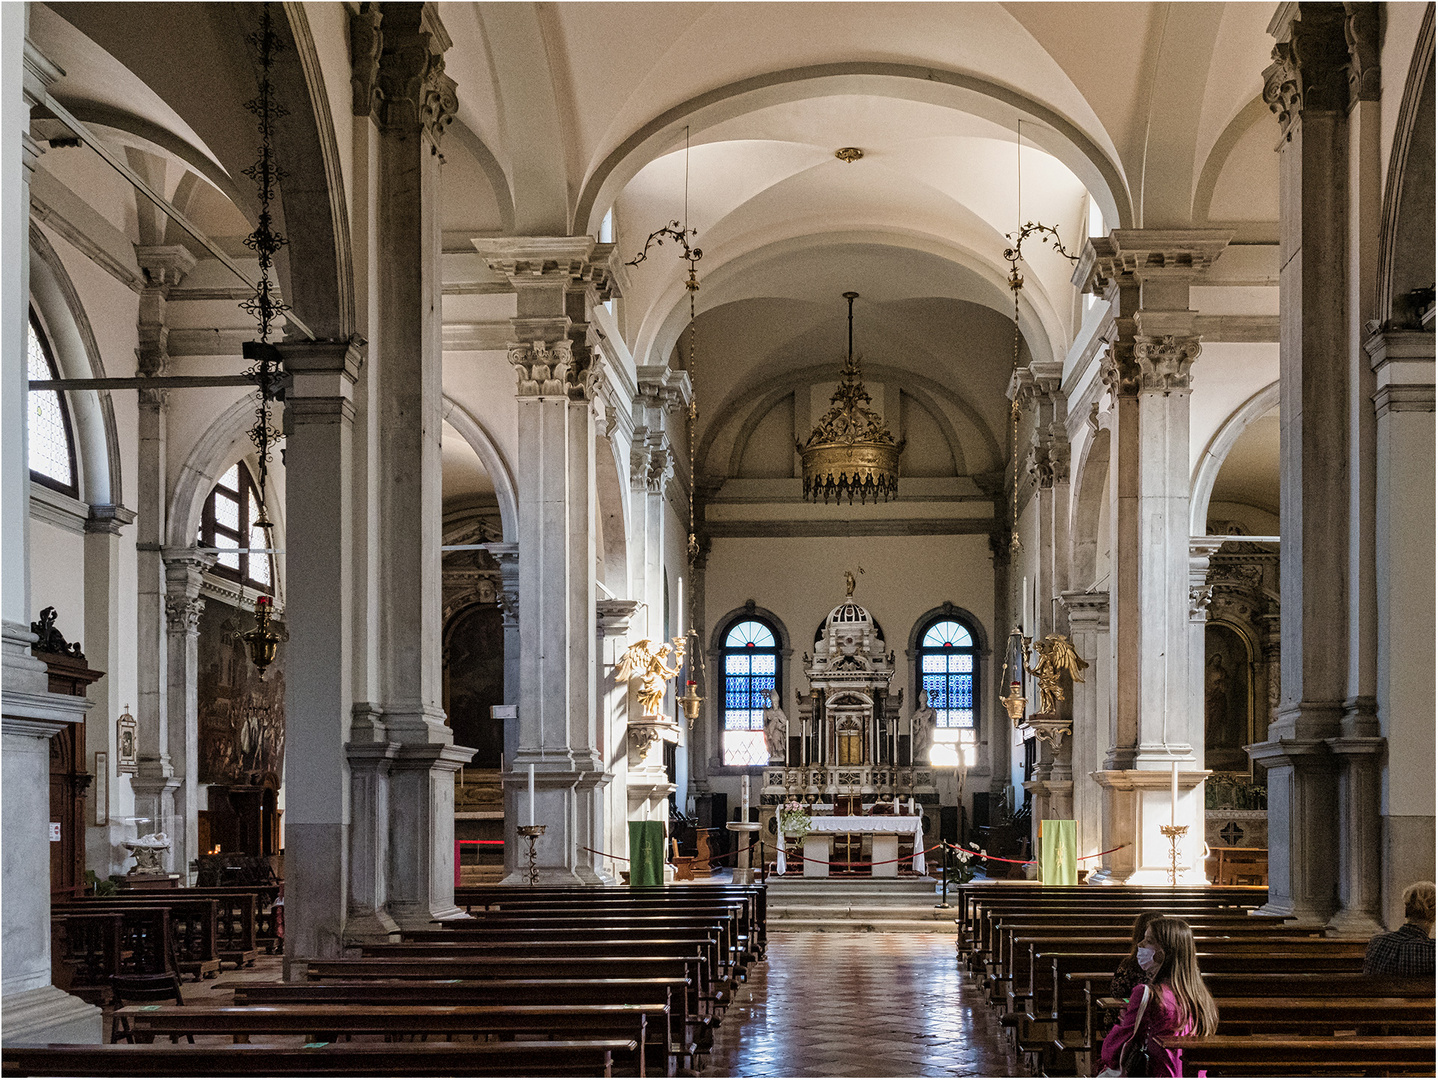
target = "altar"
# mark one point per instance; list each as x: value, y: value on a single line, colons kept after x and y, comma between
x: 886, y: 830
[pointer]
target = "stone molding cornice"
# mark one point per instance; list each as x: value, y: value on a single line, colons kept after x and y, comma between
x: 1087, y: 611
x: 1360, y: 30
x: 108, y: 518
x: 1310, y: 69
x: 612, y: 616
x: 1128, y: 256
x: 163, y: 266
x: 528, y: 260
x: 39, y: 75
x: 413, y: 89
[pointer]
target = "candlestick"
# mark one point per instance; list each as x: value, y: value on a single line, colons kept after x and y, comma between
x: 531, y: 794
x: 744, y: 789
x: 1173, y: 795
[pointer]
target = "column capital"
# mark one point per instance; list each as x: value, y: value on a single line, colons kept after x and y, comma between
x: 613, y: 616
x: 1165, y: 364
x: 1118, y: 369
x: 163, y: 265
x: 1133, y: 256
x: 411, y: 89
x: 1310, y: 66
x: 1360, y: 29
x: 108, y: 518
x: 651, y: 463
x: 550, y: 369
x: 184, y: 571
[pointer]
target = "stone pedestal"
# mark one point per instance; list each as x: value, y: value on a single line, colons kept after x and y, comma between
x: 1137, y: 802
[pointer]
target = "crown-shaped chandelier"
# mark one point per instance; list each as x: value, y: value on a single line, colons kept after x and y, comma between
x: 850, y: 451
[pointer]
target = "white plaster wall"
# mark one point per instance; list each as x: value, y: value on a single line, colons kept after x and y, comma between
x: 1400, y: 34
x: 483, y: 383
x: 1226, y: 375
x: 56, y: 576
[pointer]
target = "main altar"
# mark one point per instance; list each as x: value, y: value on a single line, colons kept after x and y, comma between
x: 846, y: 752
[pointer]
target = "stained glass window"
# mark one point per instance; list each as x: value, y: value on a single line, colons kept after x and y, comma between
x: 228, y: 525
x: 750, y: 661
x: 948, y: 666
x: 52, y: 448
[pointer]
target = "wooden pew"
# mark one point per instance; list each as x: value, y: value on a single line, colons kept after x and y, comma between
x: 331, y: 1022
x: 570, y: 1057
x: 194, y: 926
x: 266, y: 932
x: 1303, y: 1055
x: 741, y: 933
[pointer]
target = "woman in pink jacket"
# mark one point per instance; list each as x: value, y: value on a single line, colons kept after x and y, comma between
x: 1176, y: 1002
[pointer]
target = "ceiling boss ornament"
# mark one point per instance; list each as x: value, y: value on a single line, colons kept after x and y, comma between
x: 850, y: 451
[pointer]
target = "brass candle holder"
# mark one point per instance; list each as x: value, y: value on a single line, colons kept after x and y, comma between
x: 532, y: 833
x: 1175, y: 834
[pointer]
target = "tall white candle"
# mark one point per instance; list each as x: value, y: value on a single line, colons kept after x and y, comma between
x: 531, y: 794
x: 1173, y: 796
x: 744, y: 788
x: 679, y: 603
x: 1024, y: 608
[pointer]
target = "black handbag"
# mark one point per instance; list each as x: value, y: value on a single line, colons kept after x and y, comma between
x: 1134, y: 1060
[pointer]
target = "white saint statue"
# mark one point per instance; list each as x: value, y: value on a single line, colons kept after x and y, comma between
x: 922, y: 724
x: 776, y: 730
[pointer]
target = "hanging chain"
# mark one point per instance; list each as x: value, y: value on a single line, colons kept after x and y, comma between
x: 1016, y: 282
x: 266, y: 243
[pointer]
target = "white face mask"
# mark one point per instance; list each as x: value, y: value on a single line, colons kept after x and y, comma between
x: 1146, y: 960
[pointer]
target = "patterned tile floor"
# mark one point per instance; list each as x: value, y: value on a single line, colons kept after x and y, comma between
x: 859, y: 1005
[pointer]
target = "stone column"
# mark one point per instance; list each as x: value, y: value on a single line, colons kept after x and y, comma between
x: 555, y: 478
x: 1146, y: 275
x: 1308, y: 89
x: 335, y: 876
x: 155, y: 785
x: 1403, y: 362
x: 103, y: 645
x: 412, y: 102
x: 1088, y: 626
x: 613, y: 624
x: 184, y: 569
x: 31, y: 1009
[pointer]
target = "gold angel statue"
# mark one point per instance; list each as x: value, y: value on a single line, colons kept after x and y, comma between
x: 649, y: 667
x: 1056, y: 657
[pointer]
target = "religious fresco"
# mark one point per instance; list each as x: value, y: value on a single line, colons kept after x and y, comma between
x: 1226, y: 699
x: 474, y: 681
x: 242, y: 717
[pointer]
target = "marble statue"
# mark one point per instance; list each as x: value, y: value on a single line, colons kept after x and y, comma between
x: 146, y: 851
x: 776, y: 729
x: 922, y: 723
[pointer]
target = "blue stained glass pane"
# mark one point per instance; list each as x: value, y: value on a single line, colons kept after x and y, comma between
x: 958, y: 662
x: 750, y: 633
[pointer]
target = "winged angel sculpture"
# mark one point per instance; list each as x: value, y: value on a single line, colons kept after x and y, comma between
x: 1056, y: 657
x: 649, y: 667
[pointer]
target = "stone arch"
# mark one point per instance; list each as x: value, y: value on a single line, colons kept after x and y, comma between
x: 1205, y: 473
x: 490, y: 456
x: 1092, y: 474
x: 968, y: 93
x: 1254, y: 112
x: 1405, y: 245
x: 77, y: 354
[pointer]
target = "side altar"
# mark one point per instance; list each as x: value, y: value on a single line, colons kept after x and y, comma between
x: 847, y: 753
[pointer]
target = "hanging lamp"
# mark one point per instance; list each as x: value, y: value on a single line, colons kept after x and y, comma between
x: 850, y: 451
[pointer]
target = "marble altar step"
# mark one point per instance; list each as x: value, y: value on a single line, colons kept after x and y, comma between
x: 902, y: 906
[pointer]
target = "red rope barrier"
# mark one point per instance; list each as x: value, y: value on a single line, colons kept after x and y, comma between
x: 885, y: 862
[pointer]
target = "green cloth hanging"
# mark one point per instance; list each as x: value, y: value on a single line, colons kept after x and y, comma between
x: 646, y: 853
x: 1058, y: 852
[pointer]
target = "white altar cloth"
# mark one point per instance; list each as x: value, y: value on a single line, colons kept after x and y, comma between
x: 879, y: 823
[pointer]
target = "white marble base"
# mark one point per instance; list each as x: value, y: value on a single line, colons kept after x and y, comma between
x: 885, y: 855
x: 816, y: 855
x: 49, y: 1015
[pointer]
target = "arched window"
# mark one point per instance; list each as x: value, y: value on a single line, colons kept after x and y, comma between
x: 750, y: 661
x: 229, y: 524
x: 52, y: 442
x: 948, y: 671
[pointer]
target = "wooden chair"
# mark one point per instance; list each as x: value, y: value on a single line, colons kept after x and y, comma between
x: 138, y: 989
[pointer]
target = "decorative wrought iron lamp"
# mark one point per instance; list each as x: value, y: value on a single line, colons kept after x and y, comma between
x: 1015, y: 700
x: 850, y: 451
x: 262, y: 642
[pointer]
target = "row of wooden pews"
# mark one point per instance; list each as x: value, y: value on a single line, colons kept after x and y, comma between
x: 565, y: 980
x: 1289, y: 1002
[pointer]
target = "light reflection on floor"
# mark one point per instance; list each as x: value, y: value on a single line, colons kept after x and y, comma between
x: 859, y: 1005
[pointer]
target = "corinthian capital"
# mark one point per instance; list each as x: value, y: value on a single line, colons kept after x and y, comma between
x: 1165, y: 363
x: 1310, y: 65
x: 414, y: 90
x: 1118, y: 369
x: 182, y: 613
x: 551, y: 369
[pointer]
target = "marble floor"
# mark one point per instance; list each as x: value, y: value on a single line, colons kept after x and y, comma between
x: 859, y: 1005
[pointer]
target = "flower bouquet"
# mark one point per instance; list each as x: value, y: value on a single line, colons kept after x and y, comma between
x: 794, y: 820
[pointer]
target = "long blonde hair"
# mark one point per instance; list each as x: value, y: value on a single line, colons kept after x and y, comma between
x: 1180, y: 971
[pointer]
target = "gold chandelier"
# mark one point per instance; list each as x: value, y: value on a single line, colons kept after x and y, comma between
x: 850, y: 451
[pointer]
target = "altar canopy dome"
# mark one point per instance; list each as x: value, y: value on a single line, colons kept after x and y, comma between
x: 849, y: 632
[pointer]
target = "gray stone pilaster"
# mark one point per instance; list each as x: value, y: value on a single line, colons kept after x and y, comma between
x: 1089, y: 629
x: 612, y: 638
x: 184, y: 569
x: 103, y: 645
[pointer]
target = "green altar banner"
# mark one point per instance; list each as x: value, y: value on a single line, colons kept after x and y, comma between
x: 646, y: 853
x: 1058, y: 852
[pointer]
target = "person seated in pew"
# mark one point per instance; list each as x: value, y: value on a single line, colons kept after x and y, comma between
x: 1129, y: 974
x: 1409, y: 949
x: 1175, y: 1001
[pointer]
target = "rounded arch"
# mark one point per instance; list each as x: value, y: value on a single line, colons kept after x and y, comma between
x: 1211, y: 460
x: 1092, y: 473
x: 97, y: 446
x: 966, y: 93
x: 1256, y: 111
x: 1405, y: 243
x: 490, y: 456
x: 948, y: 610
x: 746, y: 682
x: 223, y: 443
x: 750, y: 610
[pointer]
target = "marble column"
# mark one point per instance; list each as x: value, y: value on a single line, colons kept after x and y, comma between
x: 1403, y: 362
x: 184, y: 569
x: 612, y: 638
x: 1146, y: 275
x: 103, y: 644
x: 507, y: 555
x: 555, y: 279
x: 31, y: 1009
x: 1307, y: 88
x: 413, y: 101
x: 335, y: 872
x: 1088, y: 627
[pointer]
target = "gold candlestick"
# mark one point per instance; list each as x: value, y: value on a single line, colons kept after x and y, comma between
x: 1175, y: 834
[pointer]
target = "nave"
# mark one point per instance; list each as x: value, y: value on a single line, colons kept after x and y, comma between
x: 859, y: 1005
